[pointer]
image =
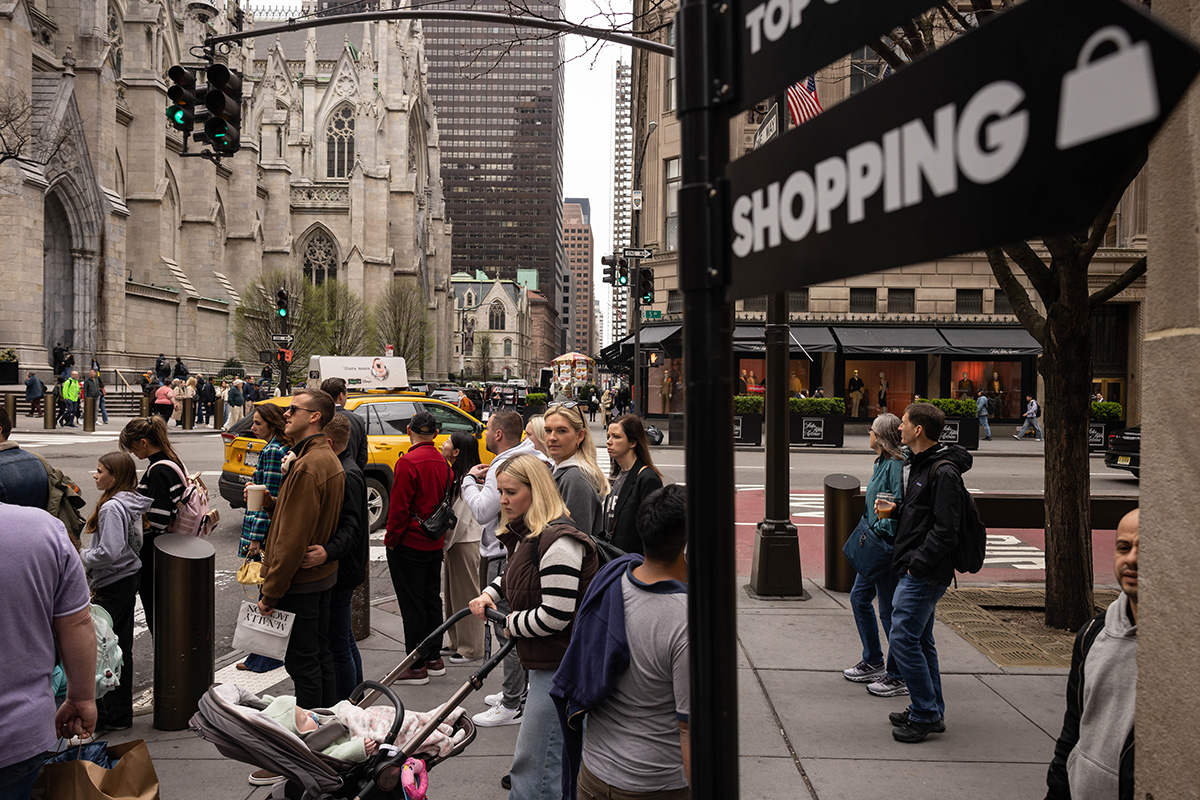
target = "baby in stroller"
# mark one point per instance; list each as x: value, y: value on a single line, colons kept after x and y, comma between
x: 363, y: 728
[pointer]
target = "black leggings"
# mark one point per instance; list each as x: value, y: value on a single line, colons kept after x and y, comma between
x: 118, y: 598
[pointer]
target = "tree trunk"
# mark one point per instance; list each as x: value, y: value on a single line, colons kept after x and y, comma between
x: 1066, y: 371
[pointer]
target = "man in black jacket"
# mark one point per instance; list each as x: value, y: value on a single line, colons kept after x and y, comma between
x: 1094, y: 754
x: 336, y: 388
x: 926, y: 535
x: 350, y: 547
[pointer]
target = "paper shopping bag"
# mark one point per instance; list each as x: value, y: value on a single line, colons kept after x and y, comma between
x: 132, y: 778
x: 267, y: 636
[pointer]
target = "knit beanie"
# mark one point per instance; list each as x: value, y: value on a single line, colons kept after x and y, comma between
x: 282, y: 709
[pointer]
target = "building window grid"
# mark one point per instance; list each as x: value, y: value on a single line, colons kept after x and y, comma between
x: 968, y: 301
x: 902, y: 301
x: 674, y: 178
x: 339, y: 143
x: 862, y: 301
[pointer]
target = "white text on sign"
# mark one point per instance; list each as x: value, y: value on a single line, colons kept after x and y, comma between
x: 774, y: 18
x: 983, y: 143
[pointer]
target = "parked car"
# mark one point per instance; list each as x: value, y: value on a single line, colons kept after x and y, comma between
x: 387, y: 417
x: 1124, y: 450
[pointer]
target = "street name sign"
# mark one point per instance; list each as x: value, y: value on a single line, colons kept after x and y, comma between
x: 1023, y: 127
x: 283, y: 338
x: 781, y: 42
x: 651, y: 314
x: 769, y: 128
x: 637, y: 252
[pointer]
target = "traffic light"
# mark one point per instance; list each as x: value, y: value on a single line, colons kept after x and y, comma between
x: 281, y: 303
x: 622, y: 272
x: 610, y: 269
x: 646, y: 285
x: 224, y: 102
x: 184, y: 98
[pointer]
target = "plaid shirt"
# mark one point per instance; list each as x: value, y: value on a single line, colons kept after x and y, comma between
x: 269, y: 472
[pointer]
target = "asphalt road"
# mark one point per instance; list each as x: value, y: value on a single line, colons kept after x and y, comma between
x: 76, y: 454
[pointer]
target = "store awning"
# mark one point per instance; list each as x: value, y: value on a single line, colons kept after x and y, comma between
x: 891, y: 340
x: 814, y: 339
x: 805, y: 338
x: 991, y: 342
x: 657, y: 334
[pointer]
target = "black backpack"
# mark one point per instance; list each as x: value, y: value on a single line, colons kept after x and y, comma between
x: 971, y: 550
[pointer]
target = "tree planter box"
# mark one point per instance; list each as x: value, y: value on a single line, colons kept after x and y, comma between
x: 528, y: 412
x: 10, y: 372
x: 961, y: 430
x: 747, y: 429
x: 1098, y: 431
x: 817, y: 430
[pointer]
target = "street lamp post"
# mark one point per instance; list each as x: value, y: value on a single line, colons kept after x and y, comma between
x: 639, y: 386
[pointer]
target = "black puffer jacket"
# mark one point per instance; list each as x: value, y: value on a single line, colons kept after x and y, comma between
x: 927, y: 532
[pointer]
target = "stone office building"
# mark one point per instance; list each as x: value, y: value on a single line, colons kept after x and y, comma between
x: 122, y: 249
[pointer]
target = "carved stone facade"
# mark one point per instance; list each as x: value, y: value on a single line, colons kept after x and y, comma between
x: 120, y: 248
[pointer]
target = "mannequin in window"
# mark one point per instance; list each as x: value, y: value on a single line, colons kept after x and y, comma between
x: 966, y: 388
x: 995, y: 392
x: 752, y: 380
x: 883, y: 389
x: 665, y: 392
x: 743, y: 383
x: 857, y: 389
x: 795, y: 386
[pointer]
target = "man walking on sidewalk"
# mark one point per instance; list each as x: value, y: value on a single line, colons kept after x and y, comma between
x: 1032, y: 410
x: 1094, y: 755
x: 982, y: 409
x: 926, y: 535
x: 70, y: 394
x: 306, y: 513
x: 414, y: 559
x: 503, y: 437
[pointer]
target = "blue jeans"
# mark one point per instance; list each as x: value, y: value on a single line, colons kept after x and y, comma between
x: 16, y: 780
x: 102, y: 409
x: 347, y: 663
x: 861, y: 596
x: 537, y: 761
x: 1031, y: 422
x: 912, y: 647
x: 987, y: 429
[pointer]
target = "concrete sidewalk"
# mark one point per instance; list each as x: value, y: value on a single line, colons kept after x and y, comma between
x: 804, y: 730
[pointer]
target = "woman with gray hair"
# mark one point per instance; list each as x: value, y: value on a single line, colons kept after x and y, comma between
x: 883, y: 680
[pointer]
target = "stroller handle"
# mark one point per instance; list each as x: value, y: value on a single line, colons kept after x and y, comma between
x: 387, y: 692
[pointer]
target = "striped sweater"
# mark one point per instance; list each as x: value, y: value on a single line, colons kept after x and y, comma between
x: 560, y: 572
x: 165, y: 489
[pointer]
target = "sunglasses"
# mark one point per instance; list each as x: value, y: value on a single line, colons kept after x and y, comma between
x: 562, y: 404
x: 294, y: 409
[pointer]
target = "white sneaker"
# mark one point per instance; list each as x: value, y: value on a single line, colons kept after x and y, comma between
x: 496, y: 716
x: 494, y: 699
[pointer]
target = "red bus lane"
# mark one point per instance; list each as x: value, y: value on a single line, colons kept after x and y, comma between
x: 1014, y: 555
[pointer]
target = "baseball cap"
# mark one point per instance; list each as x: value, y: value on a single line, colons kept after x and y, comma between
x: 423, y: 423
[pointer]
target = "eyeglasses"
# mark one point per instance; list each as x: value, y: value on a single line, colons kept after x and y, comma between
x: 294, y: 409
x: 562, y: 404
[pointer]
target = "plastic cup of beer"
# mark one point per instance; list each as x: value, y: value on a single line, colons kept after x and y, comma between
x: 255, y: 494
x: 887, y: 498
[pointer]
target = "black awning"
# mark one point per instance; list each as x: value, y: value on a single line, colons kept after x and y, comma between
x: 656, y: 334
x: 991, y: 342
x: 891, y: 340
x: 814, y: 338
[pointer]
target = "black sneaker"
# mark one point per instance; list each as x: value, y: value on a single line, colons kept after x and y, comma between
x: 506, y: 782
x: 899, y: 718
x: 914, y: 731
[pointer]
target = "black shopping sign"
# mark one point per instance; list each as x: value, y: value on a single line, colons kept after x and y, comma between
x: 1023, y: 127
x: 783, y: 41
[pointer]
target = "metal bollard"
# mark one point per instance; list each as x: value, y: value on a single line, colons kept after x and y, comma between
x: 10, y: 405
x: 219, y: 413
x: 184, y: 628
x: 89, y: 414
x: 49, y: 410
x: 844, y: 506
x: 360, y: 610
x: 145, y: 405
x: 189, y: 413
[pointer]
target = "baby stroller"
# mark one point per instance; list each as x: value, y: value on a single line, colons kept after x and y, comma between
x: 230, y: 718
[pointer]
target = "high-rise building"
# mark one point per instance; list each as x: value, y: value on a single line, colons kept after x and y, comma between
x: 577, y: 240
x: 500, y: 113
x: 622, y: 187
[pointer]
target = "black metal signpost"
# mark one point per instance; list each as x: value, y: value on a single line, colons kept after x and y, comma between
x: 1018, y: 129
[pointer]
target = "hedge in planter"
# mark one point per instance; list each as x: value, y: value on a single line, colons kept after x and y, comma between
x: 536, y: 399
x: 1107, y: 412
x: 818, y: 406
x: 953, y: 407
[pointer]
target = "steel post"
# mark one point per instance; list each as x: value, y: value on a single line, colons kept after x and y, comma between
x: 89, y: 414
x: 219, y: 413
x: 360, y: 610
x: 10, y: 406
x: 704, y: 256
x: 189, y: 413
x: 844, y: 505
x: 145, y: 405
x: 49, y: 409
x: 184, y: 629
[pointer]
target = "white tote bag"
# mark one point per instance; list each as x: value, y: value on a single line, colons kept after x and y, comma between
x: 266, y: 636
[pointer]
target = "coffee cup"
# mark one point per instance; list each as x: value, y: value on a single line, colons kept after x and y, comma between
x: 885, y: 504
x: 255, y: 494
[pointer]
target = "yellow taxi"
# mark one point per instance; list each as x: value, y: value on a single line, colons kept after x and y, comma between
x: 387, y: 417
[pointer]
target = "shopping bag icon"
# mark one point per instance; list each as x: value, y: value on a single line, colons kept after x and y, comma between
x: 1107, y: 95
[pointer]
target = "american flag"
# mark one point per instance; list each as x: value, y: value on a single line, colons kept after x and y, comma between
x: 802, y: 101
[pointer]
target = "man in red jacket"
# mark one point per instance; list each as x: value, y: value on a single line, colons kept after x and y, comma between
x: 415, y: 560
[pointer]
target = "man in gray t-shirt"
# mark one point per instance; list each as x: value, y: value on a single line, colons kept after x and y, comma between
x: 637, y: 739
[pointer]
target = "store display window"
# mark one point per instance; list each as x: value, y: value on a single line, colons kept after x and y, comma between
x: 751, y: 372
x: 666, y: 387
x: 873, y: 387
x: 1001, y: 380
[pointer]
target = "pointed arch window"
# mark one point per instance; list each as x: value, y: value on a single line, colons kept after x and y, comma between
x: 320, y: 258
x: 339, y: 143
x: 496, y: 316
x: 116, y: 39
x: 508, y: 347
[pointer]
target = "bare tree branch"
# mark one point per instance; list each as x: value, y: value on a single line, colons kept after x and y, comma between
x: 888, y: 55
x: 1118, y: 284
x: 1034, y: 268
x: 948, y: 8
x: 1023, y: 307
x: 401, y: 319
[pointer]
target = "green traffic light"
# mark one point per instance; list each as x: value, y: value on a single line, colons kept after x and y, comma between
x: 283, y: 312
x: 623, y: 280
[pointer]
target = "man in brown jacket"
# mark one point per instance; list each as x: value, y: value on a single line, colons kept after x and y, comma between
x: 306, y: 513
